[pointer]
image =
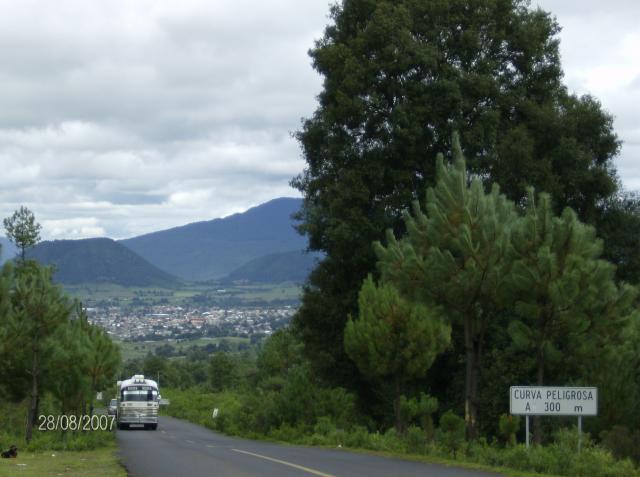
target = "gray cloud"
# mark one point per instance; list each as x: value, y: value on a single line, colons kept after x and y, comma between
x: 119, y: 118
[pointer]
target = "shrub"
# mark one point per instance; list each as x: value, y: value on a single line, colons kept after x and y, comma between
x: 622, y: 443
x: 508, y: 426
x: 358, y: 437
x: 452, y: 432
x: 415, y: 440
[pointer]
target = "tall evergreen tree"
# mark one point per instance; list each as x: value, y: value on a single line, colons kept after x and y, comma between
x: 394, y: 340
x: 23, y: 230
x: 103, y: 356
x: 67, y: 367
x: 566, y: 300
x: 39, y: 308
x: 399, y: 77
x: 618, y: 224
x: 455, y: 256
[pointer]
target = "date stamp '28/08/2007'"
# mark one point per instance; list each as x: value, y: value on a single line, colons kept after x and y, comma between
x: 64, y: 422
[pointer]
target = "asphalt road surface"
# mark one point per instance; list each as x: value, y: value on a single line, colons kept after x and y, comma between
x: 182, y: 449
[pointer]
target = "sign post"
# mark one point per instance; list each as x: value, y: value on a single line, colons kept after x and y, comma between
x: 579, y: 433
x: 553, y: 401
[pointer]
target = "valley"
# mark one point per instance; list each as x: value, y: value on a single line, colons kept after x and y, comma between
x: 192, y: 314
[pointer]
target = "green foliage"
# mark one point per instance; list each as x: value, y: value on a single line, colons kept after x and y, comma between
x: 99, y: 260
x: 564, y: 293
x: 454, y: 258
x: 452, y: 428
x: 427, y: 406
x: 280, y: 353
x: 399, y: 77
x: 49, y: 351
x: 276, y: 268
x: 394, y: 340
x: 22, y: 229
x: 566, y: 303
x: 508, y: 427
x: 618, y: 224
x: 623, y: 443
x: 223, y: 372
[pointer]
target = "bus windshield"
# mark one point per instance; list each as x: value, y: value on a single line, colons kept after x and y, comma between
x: 136, y: 394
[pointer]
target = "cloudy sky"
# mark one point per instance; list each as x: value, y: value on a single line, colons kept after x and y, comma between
x: 123, y: 117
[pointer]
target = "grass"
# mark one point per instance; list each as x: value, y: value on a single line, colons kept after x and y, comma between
x: 95, y: 463
x: 139, y: 349
x: 431, y: 459
x: 92, y: 294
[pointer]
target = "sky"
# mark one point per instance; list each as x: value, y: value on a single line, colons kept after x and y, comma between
x: 119, y: 117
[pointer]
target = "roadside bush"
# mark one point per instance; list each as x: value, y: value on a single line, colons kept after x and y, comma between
x: 259, y: 414
x: 415, y: 440
x: 508, y: 425
x: 622, y: 443
x: 288, y: 433
x: 452, y: 432
x: 358, y: 438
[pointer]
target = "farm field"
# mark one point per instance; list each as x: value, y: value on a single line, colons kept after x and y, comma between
x: 140, y: 349
x: 196, y: 294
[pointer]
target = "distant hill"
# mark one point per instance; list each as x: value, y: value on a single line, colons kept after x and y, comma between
x: 292, y: 266
x: 8, y: 250
x: 214, y: 248
x: 99, y: 260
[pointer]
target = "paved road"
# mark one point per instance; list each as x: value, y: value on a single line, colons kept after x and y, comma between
x: 181, y: 449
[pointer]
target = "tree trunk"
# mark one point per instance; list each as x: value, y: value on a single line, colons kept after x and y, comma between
x: 32, y: 415
x: 472, y: 351
x: 396, y: 407
x: 537, y: 422
x: 93, y: 393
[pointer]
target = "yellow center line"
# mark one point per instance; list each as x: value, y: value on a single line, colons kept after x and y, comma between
x: 284, y: 462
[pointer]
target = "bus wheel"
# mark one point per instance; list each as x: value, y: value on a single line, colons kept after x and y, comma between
x: 153, y: 427
x: 122, y: 426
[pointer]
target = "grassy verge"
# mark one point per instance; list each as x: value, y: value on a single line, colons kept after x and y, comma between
x: 240, y: 415
x: 96, y: 463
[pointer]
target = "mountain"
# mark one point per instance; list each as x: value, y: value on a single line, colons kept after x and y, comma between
x: 215, y: 248
x: 292, y: 266
x: 99, y: 260
x: 7, y: 250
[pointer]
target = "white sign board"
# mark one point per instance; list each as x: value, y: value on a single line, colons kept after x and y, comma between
x: 553, y: 401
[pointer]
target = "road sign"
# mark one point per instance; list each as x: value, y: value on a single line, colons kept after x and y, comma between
x: 553, y: 401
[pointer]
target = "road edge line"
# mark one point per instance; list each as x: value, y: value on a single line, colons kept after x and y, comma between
x: 284, y: 462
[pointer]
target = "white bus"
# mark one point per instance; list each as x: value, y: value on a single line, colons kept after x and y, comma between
x: 138, y: 401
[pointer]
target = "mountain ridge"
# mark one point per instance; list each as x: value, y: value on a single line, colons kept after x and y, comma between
x: 98, y: 260
x: 293, y: 266
x: 212, y: 249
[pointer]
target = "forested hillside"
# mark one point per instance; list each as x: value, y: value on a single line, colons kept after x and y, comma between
x: 212, y: 249
x: 292, y: 266
x: 98, y: 260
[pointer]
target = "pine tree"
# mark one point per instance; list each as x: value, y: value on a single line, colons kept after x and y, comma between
x: 67, y: 368
x: 455, y: 256
x: 399, y: 77
x: 566, y: 300
x: 103, y: 356
x: 39, y: 308
x: 394, y: 340
x: 23, y: 230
